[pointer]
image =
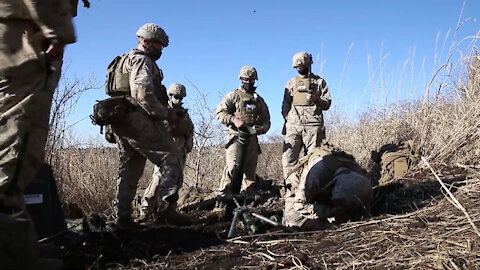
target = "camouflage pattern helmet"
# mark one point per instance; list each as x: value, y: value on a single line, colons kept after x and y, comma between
x: 151, y: 31
x: 302, y: 59
x: 177, y: 89
x: 248, y: 72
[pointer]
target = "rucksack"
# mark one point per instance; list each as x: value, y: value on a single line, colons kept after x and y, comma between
x: 117, y: 83
x: 396, y: 160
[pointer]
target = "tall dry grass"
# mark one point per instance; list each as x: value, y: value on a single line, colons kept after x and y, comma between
x: 445, y: 124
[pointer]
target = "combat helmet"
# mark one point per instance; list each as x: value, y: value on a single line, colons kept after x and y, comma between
x: 151, y: 31
x: 177, y: 89
x: 302, y: 59
x: 248, y: 72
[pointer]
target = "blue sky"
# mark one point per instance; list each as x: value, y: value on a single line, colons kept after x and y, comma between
x: 211, y: 40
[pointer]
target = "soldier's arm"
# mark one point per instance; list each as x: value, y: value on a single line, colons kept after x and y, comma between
x: 287, y: 99
x: 143, y: 89
x: 324, y: 100
x: 189, y: 137
x: 54, y: 18
x: 265, y: 118
x: 225, y: 109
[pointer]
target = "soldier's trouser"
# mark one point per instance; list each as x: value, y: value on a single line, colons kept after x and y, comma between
x: 296, y: 139
x: 149, y: 204
x: 26, y: 90
x: 297, y: 210
x: 249, y: 165
x: 140, y: 138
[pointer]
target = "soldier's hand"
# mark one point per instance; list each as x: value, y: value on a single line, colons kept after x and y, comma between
x: 237, y: 122
x: 54, y: 51
x: 258, y: 130
x: 312, y: 97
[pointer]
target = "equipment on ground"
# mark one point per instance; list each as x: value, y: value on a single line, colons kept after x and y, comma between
x: 249, y: 219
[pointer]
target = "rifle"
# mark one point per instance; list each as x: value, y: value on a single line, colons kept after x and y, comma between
x: 248, y: 219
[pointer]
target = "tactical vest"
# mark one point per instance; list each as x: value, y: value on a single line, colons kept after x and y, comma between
x: 117, y: 82
x: 248, y: 108
x: 301, y: 88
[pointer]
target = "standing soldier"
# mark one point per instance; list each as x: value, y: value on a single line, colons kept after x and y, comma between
x: 306, y: 96
x: 182, y: 132
x: 33, y: 35
x: 243, y: 108
x: 143, y: 134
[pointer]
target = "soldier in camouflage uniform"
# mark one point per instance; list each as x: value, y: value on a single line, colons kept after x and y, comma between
x: 241, y: 108
x: 143, y: 134
x: 329, y: 184
x: 32, y: 37
x: 182, y: 132
x: 305, y: 97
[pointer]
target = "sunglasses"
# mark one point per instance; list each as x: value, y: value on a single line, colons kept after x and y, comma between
x: 177, y: 96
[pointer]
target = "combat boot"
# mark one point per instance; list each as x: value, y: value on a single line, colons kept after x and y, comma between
x: 170, y: 216
x: 126, y: 224
x: 315, y: 225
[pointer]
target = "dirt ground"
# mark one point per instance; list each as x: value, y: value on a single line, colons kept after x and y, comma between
x: 412, y: 226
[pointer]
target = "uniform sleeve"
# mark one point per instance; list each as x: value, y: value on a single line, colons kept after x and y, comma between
x: 54, y: 18
x: 226, y: 109
x: 265, y: 118
x: 143, y: 89
x: 189, y: 137
x: 324, y: 99
x: 287, y: 100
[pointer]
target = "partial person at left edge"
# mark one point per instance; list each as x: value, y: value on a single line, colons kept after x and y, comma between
x: 33, y: 35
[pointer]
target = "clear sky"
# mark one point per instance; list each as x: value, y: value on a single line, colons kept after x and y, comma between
x: 211, y: 40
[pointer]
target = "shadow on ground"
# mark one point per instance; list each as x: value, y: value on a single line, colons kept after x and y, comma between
x: 108, y: 249
x: 408, y: 195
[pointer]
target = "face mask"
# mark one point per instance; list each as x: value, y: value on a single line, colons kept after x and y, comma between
x: 303, y: 71
x: 176, y: 102
x: 152, y: 52
x: 249, y: 87
x: 155, y: 55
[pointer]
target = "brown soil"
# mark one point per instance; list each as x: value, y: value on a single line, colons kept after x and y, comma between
x: 413, y: 227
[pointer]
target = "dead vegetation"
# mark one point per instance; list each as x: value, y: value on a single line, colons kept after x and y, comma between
x: 416, y: 224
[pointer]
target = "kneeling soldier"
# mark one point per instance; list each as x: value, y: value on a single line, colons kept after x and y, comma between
x: 328, y: 183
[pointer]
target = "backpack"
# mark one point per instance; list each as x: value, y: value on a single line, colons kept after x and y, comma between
x: 117, y: 83
x: 396, y: 160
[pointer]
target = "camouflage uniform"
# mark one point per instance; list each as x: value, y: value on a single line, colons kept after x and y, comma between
x: 251, y: 109
x: 304, y: 129
x: 27, y: 83
x: 182, y: 134
x: 327, y: 183
x: 143, y: 135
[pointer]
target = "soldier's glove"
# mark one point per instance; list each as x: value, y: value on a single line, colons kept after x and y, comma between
x: 258, y: 130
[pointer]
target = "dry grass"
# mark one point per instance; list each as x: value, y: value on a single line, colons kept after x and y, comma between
x: 437, y: 237
x: 446, y: 126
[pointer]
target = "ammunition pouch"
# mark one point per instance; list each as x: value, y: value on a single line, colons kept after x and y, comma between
x: 110, y: 111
